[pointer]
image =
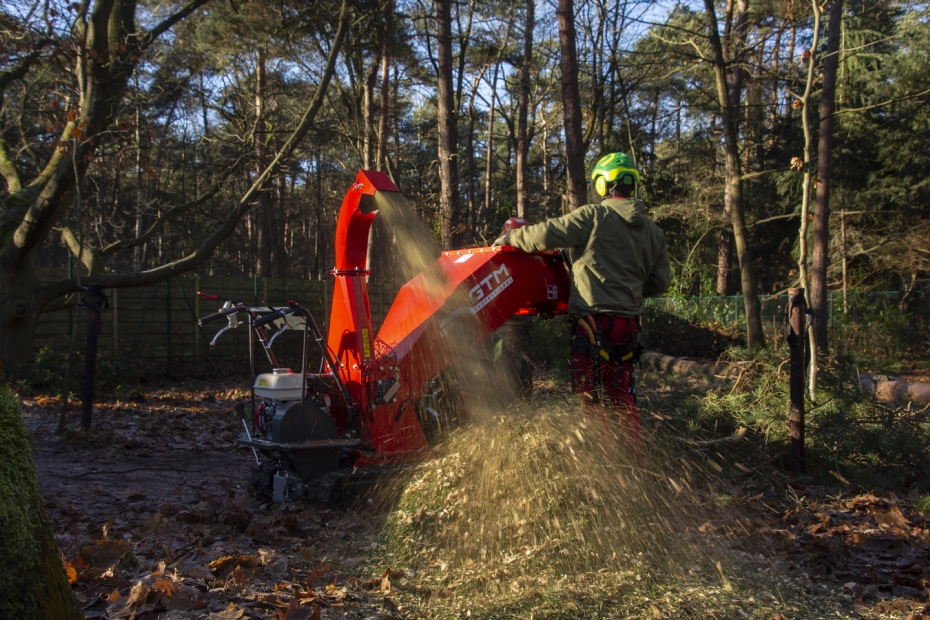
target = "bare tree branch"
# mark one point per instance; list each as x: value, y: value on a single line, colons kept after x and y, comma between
x: 170, y: 21
x: 177, y: 210
x: 881, y: 104
x: 123, y: 280
x: 88, y: 256
x: 7, y: 166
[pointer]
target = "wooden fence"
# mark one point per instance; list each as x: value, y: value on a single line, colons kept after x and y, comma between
x: 156, y: 326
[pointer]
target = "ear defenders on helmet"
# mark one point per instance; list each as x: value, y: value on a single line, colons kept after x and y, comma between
x: 601, y: 187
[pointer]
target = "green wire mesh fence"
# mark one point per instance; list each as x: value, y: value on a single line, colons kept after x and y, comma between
x: 887, y: 323
x: 153, y: 331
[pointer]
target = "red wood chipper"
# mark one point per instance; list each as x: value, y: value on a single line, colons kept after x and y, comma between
x: 365, y: 411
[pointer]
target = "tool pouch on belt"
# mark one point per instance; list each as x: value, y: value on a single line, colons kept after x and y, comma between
x: 628, y: 351
x: 604, y: 350
x: 598, y: 351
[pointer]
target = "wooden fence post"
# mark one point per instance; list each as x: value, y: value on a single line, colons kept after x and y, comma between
x: 95, y: 299
x: 797, y: 317
x: 114, y: 312
x: 168, y: 326
x: 196, y: 316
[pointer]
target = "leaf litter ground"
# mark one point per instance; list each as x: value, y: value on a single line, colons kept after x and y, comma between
x: 520, y: 515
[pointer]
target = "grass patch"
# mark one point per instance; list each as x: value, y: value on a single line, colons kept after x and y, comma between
x: 850, y: 438
x: 922, y: 505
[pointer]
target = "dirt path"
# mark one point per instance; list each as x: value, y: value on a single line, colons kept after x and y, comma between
x: 151, y: 512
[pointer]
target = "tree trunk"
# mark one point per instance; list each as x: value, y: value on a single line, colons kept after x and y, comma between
x: 464, y: 42
x: 489, y: 160
x: 734, y: 91
x: 754, y: 335
x: 773, y: 113
x: 47, y: 197
x: 571, y: 106
x: 318, y: 237
x: 725, y: 243
x: 263, y: 210
x: 545, y: 167
x: 137, y: 252
x: 470, y: 155
x: 33, y: 584
x: 19, y: 288
x: 821, y: 249
x: 279, y: 226
x: 385, y: 98
x: 472, y: 171
x: 368, y: 115
x: 806, y: 184
x: 792, y: 41
x: 450, y: 227
x: 523, y: 143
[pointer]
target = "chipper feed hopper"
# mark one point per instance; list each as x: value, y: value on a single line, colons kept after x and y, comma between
x: 309, y: 431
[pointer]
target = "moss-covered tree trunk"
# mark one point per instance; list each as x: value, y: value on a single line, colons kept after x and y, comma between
x: 33, y: 584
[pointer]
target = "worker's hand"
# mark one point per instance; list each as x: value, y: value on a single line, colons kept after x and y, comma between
x: 503, y: 239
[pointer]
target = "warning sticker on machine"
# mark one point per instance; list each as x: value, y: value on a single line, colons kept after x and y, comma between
x: 366, y: 343
x: 463, y: 258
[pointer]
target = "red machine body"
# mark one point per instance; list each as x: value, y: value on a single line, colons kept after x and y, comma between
x: 453, y: 305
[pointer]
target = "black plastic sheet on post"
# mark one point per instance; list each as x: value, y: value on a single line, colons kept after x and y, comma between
x: 95, y: 298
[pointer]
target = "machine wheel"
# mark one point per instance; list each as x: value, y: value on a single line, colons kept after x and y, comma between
x: 442, y: 409
x: 262, y: 480
x: 515, y: 360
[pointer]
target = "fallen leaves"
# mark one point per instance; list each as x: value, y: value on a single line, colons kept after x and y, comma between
x: 70, y: 571
x: 137, y: 595
x: 230, y: 613
x: 296, y: 611
x: 866, y: 544
x: 228, y: 563
x: 386, y: 587
x: 205, y: 549
x: 894, y: 519
x: 105, y: 553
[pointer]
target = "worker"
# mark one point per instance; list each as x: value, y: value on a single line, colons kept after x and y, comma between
x: 618, y: 258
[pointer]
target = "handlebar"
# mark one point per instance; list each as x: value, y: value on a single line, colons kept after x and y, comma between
x: 213, y: 297
x: 268, y: 318
x: 222, y: 314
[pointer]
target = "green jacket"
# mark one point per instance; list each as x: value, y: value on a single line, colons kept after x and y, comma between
x: 618, y: 253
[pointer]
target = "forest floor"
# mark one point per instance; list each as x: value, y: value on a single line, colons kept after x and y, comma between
x: 153, y: 515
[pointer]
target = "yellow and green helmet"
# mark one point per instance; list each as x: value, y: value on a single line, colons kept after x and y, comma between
x: 615, y: 167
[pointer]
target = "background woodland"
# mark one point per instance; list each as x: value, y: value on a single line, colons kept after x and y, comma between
x: 780, y: 142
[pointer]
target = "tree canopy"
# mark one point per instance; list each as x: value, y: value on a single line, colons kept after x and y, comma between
x: 141, y: 138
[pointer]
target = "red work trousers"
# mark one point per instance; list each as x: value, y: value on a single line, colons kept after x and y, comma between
x: 606, y: 385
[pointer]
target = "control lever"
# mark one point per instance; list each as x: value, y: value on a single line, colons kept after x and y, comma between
x: 232, y: 315
x: 240, y: 413
x: 275, y: 335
